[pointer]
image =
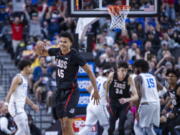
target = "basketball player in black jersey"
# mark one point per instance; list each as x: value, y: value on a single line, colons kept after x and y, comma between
x: 120, y: 90
x: 68, y: 62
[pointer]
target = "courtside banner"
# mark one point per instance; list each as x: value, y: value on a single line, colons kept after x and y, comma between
x: 83, y: 100
x: 79, y: 123
x: 81, y: 72
x: 83, y: 83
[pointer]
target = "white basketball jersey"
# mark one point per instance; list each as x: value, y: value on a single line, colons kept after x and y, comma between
x: 20, y: 94
x: 149, y: 91
x: 102, y: 91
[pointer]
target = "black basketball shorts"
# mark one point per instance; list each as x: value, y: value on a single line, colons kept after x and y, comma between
x: 65, y: 103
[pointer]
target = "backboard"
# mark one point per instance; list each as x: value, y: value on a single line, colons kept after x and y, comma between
x: 98, y: 8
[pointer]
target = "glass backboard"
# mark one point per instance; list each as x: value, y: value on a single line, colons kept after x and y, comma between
x: 98, y: 8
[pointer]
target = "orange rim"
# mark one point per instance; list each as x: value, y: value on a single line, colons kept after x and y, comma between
x: 116, y: 9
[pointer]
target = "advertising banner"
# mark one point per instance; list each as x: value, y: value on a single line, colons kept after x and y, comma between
x: 81, y: 72
x: 83, y: 83
x: 79, y: 123
x: 83, y: 100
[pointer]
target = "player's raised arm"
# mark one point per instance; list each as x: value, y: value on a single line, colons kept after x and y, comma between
x: 92, y: 77
x: 40, y: 48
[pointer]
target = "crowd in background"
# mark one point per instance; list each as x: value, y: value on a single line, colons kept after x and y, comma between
x: 156, y: 40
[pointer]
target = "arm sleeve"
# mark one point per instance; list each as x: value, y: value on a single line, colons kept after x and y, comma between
x: 80, y: 60
x: 53, y: 51
x: 4, y: 125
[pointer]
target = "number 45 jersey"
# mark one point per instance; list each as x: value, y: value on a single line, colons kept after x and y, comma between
x: 67, y: 67
x: 148, y: 88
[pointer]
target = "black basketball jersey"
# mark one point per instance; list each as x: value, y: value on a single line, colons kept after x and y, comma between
x: 67, y: 67
x: 119, y: 89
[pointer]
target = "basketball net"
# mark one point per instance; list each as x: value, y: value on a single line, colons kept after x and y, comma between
x: 118, y: 16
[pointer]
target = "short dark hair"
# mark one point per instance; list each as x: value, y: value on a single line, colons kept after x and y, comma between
x: 172, y: 71
x: 24, y: 63
x: 67, y: 35
x: 122, y: 64
x: 142, y: 64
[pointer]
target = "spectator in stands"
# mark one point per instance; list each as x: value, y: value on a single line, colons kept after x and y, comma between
x: 132, y: 50
x: 3, y: 16
x: 35, y: 29
x: 51, y: 87
x: 18, y: 5
x: 169, y: 9
x: 166, y: 59
x: 6, y: 36
x: 140, y: 31
x: 40, y: 79
x: 164, y: 47
x: 55, y: 21
x: 17, y: 27
x: 37, y: 72
x: 123, y: 55
x: 135, y: 39
x: 171, y: 107
x: 7, y: 124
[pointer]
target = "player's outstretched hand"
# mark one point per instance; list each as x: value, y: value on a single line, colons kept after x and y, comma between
x: 123, y: 100
x: 35, y: 107
x: 95, y: 97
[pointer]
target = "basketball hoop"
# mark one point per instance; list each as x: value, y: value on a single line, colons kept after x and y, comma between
x: 118, y: 15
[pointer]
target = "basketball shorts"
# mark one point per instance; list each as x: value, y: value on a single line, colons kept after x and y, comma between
x: 149, y: 114
x: 15, y: 108
x: 65, y: 102
x: 21, y: 121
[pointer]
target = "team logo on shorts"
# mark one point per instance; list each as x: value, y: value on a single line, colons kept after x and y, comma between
x: 72, y: 110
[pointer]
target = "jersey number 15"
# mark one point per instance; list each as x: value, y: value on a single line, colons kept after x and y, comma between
x: 150, y: 82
